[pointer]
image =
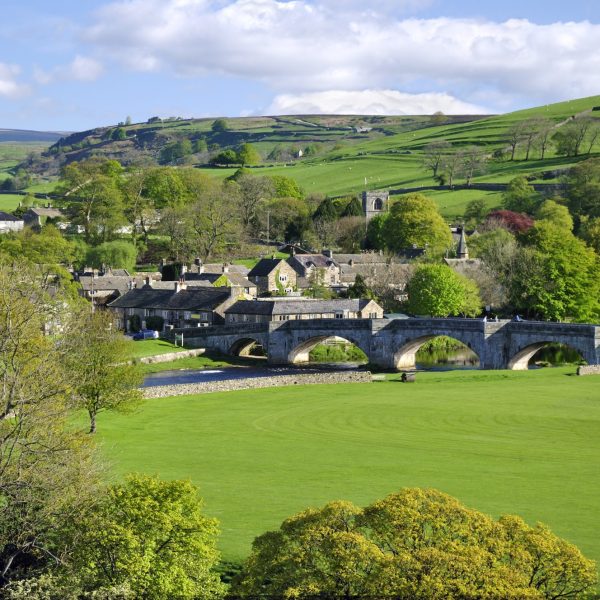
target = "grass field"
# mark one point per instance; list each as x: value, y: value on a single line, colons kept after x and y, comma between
x: 502, y: 442
x: 143, y: 348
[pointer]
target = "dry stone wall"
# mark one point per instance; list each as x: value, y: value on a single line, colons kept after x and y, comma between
x: 171, y: 356
x: 258, y: 382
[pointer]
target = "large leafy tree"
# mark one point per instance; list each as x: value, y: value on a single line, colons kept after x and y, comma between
x: 414, y: 220
x: 46, y: 466
x: 557, y: 276
x: 438, y: 291
x: 99, y: 360
x: 214, y: 218
x: 583, y: 191
x: 93, y: 197
x: 151, y: 536
x: 520, y: 196
x: 417, y: 544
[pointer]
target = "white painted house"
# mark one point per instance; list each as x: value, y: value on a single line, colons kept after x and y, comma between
x: 9, y: 222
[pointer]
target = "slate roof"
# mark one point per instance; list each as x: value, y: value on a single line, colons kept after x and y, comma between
x: 53, y: 213
x: 121, y: 284
x: 170, y: 285
x: 264, y: 267
x: 296, y: 306
x: 364, y: 258
x: 235, y: 279
x: 4, y: 216
x: 308, y: 261
x: 189, y: 299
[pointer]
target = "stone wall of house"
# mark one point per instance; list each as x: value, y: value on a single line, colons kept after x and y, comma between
x: 258, y: 382
x: 588, y: 370
x: 171, y: 356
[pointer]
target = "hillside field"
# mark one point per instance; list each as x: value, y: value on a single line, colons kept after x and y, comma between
x: 502, y: 442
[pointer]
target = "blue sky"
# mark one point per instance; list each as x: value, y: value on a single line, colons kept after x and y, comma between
x: 70, y: 65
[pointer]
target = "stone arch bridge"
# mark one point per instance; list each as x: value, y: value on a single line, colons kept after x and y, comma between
x: 392, y: 344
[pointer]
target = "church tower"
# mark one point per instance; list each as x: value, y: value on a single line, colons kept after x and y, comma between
x: 374, y: 203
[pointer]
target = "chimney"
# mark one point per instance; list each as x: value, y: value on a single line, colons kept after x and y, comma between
x: 184, y: 269
x: 163, y: 264
x: 148, y: 281
x: 328, y: 253
x: 225, y: 268
x: 180, y: 285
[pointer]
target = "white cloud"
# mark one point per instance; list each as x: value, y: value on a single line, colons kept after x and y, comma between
x: 9, y: 85
x: 300, y: 47
x: 370, y: 102
x: 81, y: 68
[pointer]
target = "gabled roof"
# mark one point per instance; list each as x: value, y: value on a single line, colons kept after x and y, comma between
x: 296, y: 306
x: 308, y: 261
x: 53, y: 213
x: 4, y: 216
x: 196, y: 298
x: 265, y: 266
x: 106, y: 283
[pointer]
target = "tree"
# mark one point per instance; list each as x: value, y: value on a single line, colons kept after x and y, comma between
x: 248, y: 155
x: 438, y: 291
x: 151, y: 536
x: 417, y: 544
x: 219, y: 126
x: 353, y: 209
x: 48, y: 247
x: 227, y: 157
x: 542, y: 141
x: 99, y: 359
x: 119, y: 134
x: 451, y: 166
x: 476, y: 211
x: 360, y: 289
x: 253, y: 192
x: 433, y: 155
x: 214, y: 218
x: 118, y: 254
x: 590, y: 232
x: 286, y: 187
x: 414, y: 221
x: 520, y: 196
x: 513, y: 221
x: 563, y: 280
x: 583, y: 189
x: 570, y: 137
x: 47, y: 471
x: 514, y: 136
x: 473, y: 160
x: 93, y: 197
x: 555, y: 213
x: 326, y: 211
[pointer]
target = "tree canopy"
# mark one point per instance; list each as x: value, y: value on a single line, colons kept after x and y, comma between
x: 414, y: 221
x: 415, y: 544
x: 438, y: 291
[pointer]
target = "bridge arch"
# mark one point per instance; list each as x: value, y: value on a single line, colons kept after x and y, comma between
x: 405, y: 356
x: 244, y: 345
x: 300, y: 353
x: 520, y: 360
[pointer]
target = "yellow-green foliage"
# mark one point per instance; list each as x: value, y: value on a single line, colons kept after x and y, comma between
x: 418, y: 544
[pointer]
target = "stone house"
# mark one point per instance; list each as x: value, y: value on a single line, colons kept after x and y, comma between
x: 272, y: 275
x: 9, y: 222
x: 309, y: 267
x: 229, y: 279
x: 38, y: 217
x: 290, y: 309
x: 179, y: 306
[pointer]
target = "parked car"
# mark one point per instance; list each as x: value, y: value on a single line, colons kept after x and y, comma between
x: 146, y: 334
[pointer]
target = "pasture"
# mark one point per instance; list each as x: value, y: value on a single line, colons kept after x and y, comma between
x: 502, y: 442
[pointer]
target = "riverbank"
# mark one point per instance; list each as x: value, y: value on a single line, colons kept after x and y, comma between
x: 247, y: 383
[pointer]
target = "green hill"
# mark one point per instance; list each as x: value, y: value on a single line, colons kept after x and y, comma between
x: 340, y: 154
